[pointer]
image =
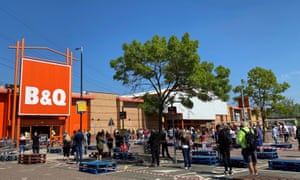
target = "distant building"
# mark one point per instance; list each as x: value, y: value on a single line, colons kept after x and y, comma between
x: 104, y: 107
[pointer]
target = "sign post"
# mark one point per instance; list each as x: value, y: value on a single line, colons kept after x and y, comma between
x: 123, y: 116
x: 111, y: 124
x: 81, y: 108
x: 173, y: 111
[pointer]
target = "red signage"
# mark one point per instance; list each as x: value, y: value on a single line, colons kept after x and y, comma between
x: 246, y: 102
x: 45, y: 88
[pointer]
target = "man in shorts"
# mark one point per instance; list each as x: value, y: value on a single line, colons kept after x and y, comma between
x: 249, y: 155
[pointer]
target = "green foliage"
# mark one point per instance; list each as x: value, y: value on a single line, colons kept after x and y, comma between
x: 263, y: 90
x: 285, y: 108
x: 168, y: 65
x: 263, y: 87
x: 150, y: 104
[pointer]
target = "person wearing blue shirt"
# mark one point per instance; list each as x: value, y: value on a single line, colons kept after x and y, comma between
x: 78, y: 139
x: 259, y: 136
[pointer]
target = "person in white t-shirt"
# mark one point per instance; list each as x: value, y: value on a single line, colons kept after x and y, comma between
x: 285, y: 132
x: 275, y: 134
x: 294, y: 129
x: 233, y: 136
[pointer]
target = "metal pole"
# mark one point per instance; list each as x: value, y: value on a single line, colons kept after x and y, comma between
x: 123, y: 116
x: 81, y: 80
x: 243, y: 106
x: 243, y: 103
x: 174, y: 140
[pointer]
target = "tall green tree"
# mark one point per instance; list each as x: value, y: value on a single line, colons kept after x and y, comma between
x: 263, y: 90
x: 168, y: 65
x: 286, y: 108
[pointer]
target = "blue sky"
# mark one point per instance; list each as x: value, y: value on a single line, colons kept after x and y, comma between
x: 239, y: 35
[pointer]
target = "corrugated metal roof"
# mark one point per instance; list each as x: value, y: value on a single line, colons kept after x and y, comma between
x: 201, y: 109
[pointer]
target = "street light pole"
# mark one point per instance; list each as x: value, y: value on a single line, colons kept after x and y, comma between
x: 81, y: 80
x: 243, y: 102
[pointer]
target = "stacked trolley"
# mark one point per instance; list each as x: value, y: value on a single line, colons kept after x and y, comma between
x: 98, y: 167
x: 207, y: 157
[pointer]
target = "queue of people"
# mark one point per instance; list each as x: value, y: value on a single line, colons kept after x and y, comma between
x: 225, y: 136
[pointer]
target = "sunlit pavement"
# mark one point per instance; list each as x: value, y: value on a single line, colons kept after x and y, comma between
x: 57, y: 168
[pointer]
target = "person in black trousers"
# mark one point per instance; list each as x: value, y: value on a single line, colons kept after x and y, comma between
x: 35, y: 143
x: 66, y: 145
x: 298, y: 136
x: 164, y: 144
x: 109, y: 144
x: 225, y: 143
x: 78, y: 139
x: 154, y: 142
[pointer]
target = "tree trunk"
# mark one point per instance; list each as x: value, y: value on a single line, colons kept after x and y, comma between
x: 159, y: 120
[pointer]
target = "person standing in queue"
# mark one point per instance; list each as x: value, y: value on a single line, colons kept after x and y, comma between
x: 164, y: 144
x: 154, y: 142
x: 78, y: 139
x: 100, y: 144
x: 66, y: 145
x: 218, y: 129
x: 109, y: 143
x: 259, y: 139
x: 88, y: 137
x: 35, y: 143
x: 124, y: 150
x: 248, y: 153
x: 225, y: 143
x: 298, y: 136
x: 186, y: 148
x: 275, y: 134
x: 22, y: 144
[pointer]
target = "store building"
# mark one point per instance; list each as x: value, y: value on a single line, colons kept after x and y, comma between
x: 42, y: 124
x: 106, y: 110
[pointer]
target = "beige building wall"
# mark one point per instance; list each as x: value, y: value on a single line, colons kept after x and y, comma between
x: 103, y: 107
x: 135, y: 117
x: 106, y: 106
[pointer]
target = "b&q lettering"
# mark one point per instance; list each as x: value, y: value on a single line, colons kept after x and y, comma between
x: 58, y: 97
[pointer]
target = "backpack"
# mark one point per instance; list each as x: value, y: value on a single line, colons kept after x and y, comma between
x: 100, y: 144
x: 67, y: 138
x: 225, y: 139
x: 250, y: 139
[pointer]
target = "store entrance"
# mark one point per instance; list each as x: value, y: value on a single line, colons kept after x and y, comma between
x: 41, y: 130
x: 44, y: 130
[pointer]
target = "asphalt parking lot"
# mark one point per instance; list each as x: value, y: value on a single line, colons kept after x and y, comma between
x: 56, y: 168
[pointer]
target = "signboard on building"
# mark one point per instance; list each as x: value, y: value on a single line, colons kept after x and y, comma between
x: 111, y: 122
x: 81, y: 106
x: 172, y: 110
x: 45, y: 88
x: 123, y: 115
x: 246, y: 102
